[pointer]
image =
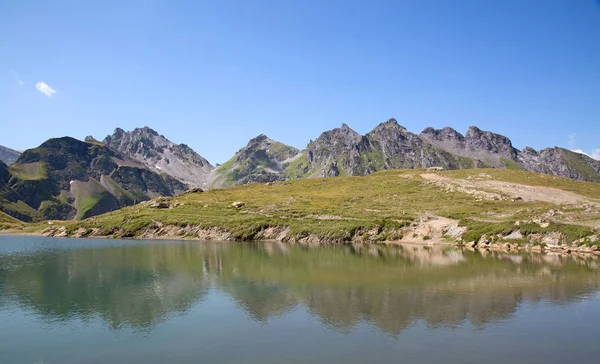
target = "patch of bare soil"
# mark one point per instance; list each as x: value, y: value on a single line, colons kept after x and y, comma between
x: 431, y: 229
x: 505, y: 190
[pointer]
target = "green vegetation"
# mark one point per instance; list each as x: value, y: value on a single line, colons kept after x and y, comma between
x: 20, y: 210
x: 373, y: 208
x: 29, y: 171
x: 476, y: 229
x: 7, y: 222
x: 575, y: 161
x: 298, y: 168
x: 510, y: 164
x: 87, y: 196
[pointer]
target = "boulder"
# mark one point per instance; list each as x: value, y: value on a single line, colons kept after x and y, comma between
x: 514, y: 235
x: 157, y: 204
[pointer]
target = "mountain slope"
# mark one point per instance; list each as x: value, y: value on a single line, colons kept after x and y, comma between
x: 561, y: 162
x: 161, y: 155
x: 8, y: 156
x: 261, y: 160
x: 65, y: 178
x: 342, y: 151
x: 489, y: 206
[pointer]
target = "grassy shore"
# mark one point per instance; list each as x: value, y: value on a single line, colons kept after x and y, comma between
x: 395, y: 205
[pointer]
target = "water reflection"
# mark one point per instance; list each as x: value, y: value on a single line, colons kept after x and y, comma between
x: 389, y: 287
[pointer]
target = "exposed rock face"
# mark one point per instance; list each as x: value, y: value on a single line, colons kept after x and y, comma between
x: 8, y: 156
x: 161, y: 155
x: 65, y: 178
x: 342, y: 151
x: 90, y: 139
x: 389, y: 146
x: 446, y: 137
x: 479, y: 141
x: 395, y: 147
x: 483, y: 147
x: 262, y: 160
x: 560, y: 162
x: 336, y: 152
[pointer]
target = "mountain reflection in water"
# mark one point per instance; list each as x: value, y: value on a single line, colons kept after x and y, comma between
x: 141, y: 285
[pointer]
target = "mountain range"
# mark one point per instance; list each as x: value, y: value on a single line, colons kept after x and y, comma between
x: 8, y: 156
x: 65, y: 178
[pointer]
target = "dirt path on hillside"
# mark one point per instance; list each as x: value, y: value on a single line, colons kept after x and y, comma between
x: 494, y: 190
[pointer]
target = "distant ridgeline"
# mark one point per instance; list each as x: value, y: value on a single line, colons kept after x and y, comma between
x: 66, y: 178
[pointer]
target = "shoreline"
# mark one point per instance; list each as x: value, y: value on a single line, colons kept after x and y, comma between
x: 219, y: 235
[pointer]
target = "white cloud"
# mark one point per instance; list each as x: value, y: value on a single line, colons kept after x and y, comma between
x: 45, y: 89
x: 594, y: 154
x: 572, y: 141
x: 16, y: 76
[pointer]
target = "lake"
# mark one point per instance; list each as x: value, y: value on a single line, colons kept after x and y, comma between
x: 116, y: 301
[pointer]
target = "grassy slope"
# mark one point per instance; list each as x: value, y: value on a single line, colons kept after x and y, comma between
x: 87, y: 195
x: 8, y: 221
x: 29, y: 171
x: 339, y: 207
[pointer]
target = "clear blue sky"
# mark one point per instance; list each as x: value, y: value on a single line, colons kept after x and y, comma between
x: 215, y: 74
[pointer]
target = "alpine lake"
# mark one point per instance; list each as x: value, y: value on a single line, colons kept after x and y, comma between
x: 123, y: 301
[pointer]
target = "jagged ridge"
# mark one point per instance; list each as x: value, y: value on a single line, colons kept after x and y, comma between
x: 8, y: 156
x: 161, y: 155
x: 65, y: 178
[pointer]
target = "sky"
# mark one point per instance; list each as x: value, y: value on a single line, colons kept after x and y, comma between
x: 214, y: 74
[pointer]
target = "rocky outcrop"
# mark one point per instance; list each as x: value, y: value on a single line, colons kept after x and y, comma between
x: 161, y: 155
x: 337, y: 152
x: 485, y: 142
x: 8, y: 156
x: 561, y: 162
x: 484, y: 148
x: 261, y: 160
x: 65, y: 178
x: 342, y: 151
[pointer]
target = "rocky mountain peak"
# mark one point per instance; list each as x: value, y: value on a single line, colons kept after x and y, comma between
x: 65, y: 178
x: 258, y: 139
x: 161, y: 155
x: 443, y: 135
x: 8, y: 156
x: 477, y: 140
x: 261, y: 160
x: 343, y: 135
x: 388, y: 126
x: 118, y: 132
x: 529, y: 151
x: 90, y: 139
x: 145, y: 130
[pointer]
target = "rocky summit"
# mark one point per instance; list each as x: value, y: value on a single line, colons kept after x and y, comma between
x: 342, y: 151
x: 161, y: 155
x: 8, y: 156
x: 261, y: 160
x: 65, y: 178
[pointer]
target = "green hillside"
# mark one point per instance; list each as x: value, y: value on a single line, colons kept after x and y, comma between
x: 407, y: 205
x: 65, y: 178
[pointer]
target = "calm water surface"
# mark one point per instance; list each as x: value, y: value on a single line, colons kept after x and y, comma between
x: 110, y: 301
